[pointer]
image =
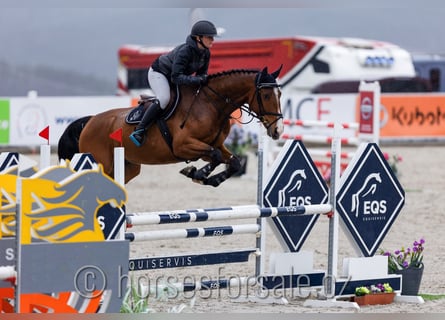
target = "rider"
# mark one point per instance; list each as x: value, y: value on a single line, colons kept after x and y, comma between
x: 178, y: 67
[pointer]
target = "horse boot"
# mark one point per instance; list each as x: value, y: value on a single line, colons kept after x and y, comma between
x: 150, y: 115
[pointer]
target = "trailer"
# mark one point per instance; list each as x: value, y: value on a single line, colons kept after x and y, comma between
x: 307, y: 61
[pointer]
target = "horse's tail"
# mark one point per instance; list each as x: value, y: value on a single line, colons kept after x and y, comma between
x: 68, y: 144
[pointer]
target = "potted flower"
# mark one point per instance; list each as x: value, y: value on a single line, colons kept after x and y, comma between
x: 374, y: 294
x: 409, y: 263
x: 239, y: 142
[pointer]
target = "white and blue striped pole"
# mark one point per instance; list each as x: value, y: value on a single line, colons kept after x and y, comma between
x: 213, y: 214
x: 192, y: 232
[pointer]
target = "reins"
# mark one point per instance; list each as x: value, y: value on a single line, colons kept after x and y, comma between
x: 190, y: 109
x: 226, y: 100
x: 246, y: 108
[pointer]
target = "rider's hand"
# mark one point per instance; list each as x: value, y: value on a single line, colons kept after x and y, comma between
x: 203, y: 79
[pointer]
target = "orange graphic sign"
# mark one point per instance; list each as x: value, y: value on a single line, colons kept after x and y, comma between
x: 412, y: 116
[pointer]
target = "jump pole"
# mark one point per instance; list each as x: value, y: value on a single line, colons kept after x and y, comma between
x: 192, y: 232
x: 260, y: 261
x: 45, y: 156
x: 333, y: 222
x: 119, y: 177
x: 229, y: 213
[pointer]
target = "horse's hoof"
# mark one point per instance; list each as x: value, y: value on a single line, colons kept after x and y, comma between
x: 214, y: 182
x: 189, y: 171
x: 198, y: 181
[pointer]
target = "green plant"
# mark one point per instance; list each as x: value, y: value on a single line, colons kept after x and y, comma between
x: 377, y: 288
x: 136, y: 300
x: 405, y: 257
x: 239, y: 141
x: 393, y: 161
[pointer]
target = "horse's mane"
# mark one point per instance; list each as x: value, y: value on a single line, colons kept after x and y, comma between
x: 230, y: 72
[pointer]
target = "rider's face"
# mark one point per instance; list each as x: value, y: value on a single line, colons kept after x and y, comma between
x: 208, y: 41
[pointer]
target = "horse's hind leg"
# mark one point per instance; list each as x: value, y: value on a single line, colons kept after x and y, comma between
x: 200, y: 175
x: 217, y: 179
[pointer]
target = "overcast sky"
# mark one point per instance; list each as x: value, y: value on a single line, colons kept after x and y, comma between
x: 86, y: 39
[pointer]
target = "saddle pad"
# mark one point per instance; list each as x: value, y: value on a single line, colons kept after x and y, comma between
x: 135, y: 115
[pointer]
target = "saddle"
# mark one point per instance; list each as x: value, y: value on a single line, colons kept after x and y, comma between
x: 136, y: 114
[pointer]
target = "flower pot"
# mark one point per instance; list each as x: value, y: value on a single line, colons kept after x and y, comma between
x: 411, y: 279
x: 374, y: 298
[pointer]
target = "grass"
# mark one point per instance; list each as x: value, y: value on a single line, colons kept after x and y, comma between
x: 432, y: 297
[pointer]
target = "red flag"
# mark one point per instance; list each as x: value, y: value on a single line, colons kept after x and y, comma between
x: 45, y: 133
x: 117, y: 135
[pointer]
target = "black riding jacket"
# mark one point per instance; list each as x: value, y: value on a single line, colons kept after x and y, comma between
x: 182, y: 62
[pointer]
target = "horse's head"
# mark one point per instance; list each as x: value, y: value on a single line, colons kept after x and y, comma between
x: 262, y: 95
x: 266, y: 103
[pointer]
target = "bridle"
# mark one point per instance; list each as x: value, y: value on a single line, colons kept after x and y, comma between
x: 262, y: 113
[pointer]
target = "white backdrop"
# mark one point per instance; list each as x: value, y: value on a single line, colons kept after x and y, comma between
x: 30, y: 115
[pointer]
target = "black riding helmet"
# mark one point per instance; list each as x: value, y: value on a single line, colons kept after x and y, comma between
x: 204, y: 28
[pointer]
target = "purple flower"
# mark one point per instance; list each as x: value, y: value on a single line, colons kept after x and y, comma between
x: 405, y: 257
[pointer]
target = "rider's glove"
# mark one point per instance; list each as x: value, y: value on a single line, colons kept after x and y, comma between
x: 203, y: 79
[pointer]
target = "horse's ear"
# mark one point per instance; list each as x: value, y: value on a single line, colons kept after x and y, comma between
x: 265, y: 71
x: 276, y: 73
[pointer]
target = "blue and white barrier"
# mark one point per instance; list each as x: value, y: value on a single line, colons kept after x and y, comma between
x: 212, y: 214
x: 192, y: 232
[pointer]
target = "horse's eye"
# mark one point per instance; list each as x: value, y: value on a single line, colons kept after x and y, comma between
x: 266, y: 96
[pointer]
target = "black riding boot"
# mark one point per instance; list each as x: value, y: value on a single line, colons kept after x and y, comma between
x: 149, y: 117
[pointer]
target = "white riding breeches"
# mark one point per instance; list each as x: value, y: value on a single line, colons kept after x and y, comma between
x: 160, y: 86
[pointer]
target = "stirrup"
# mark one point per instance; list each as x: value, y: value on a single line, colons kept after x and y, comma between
x: 135, y: 140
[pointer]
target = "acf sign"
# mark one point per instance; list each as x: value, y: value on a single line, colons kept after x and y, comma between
x: 369, y: 199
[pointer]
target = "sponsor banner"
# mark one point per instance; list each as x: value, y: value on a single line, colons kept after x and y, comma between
x: 413, y: 116
x: 366, y: 114
x: 320, y: 107
x: 4, y: 122
x: 29, y: 116
x: 402, y: 116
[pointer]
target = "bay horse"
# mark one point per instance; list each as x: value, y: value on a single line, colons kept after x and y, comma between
x: 195, y: 130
